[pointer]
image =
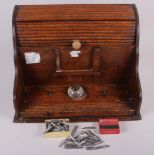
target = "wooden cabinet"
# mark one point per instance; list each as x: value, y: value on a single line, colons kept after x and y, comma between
x: 92, y: 46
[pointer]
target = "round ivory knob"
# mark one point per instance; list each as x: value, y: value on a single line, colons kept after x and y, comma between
x: 76, y: 44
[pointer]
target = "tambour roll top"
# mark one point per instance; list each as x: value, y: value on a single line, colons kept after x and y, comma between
x: 59, y: 25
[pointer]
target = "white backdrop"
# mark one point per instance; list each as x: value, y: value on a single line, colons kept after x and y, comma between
x: 136, y: 137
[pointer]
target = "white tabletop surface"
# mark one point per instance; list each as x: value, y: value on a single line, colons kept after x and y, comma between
x: 136, y: 137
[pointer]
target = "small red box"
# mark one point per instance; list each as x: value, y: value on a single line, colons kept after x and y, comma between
x: 109, y: 126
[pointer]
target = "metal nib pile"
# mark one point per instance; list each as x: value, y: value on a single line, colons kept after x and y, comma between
x: 84, y: 139
x: 56, y: 126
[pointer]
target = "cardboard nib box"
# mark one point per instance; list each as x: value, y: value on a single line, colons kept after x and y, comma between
x: 56, y: 128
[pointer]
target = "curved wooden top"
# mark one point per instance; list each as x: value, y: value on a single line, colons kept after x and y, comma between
x: 70, y: 12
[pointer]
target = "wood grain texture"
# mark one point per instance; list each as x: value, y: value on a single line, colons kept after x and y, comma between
x: 75, y: 12
x: 109, y: 57
x: 107, y: 67
x: 43, y: 33
x: 18, y: 82
x: 38, y: 102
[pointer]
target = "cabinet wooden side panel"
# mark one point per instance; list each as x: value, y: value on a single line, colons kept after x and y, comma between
x: 18, y: 83
x: 134, y: 80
